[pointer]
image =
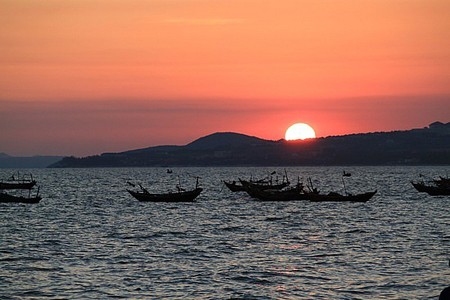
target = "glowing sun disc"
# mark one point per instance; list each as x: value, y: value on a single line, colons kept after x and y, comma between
x: 299, y: 131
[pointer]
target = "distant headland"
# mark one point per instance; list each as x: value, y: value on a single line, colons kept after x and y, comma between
x: 425, y: 146
x: 17, y: 162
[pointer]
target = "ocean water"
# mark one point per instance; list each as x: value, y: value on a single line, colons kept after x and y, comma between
x: 89, y: 239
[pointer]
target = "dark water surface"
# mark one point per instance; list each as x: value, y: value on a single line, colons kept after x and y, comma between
x: 89, y: 239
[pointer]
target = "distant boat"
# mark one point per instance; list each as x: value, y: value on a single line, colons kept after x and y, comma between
x: 336, y: 197
x: 289, y: 194
x: 17, y: 183
x: 7, y: 198
x: 264, y: 185
x: 182, y: 196
x: 234, y: 186
x: 179, y: 196
x: 431, y: 189
x: 346, y: 174
x: 442, y: 182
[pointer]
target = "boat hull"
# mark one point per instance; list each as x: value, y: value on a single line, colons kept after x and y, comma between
x: 17, y: 185
x: 234, y: 187
x: 432, y: 190
x: 264, y: 186
x: 6, y: 198
x: 292, y: 194
x: 188, y: 196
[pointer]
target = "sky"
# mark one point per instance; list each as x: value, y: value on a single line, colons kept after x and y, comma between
x: 85, y: 77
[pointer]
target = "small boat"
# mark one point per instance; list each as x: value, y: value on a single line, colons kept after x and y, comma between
x: 234, y: 186
x: 336, y: 197
x: 263, y: 185
x: 18, y: 183
x: 442, y: 182
x: 432, y: 189
x: 296, y: 192
x: 7, y: 198
x: 346, y: 174
x: 179, y: 196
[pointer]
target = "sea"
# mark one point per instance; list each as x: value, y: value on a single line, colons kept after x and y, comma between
x: 89, y: 238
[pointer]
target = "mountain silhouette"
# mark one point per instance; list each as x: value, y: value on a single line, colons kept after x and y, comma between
x: 4, y: 155
x: 225, y: 140
x: 429, y: 145
x: 14, y: 162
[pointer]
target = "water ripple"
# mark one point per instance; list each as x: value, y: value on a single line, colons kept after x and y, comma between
x: 89, y: 239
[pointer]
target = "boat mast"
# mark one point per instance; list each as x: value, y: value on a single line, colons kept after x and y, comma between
x: 343, y: 182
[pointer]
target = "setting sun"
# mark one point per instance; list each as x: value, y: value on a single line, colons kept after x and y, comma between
x: 299, y: 131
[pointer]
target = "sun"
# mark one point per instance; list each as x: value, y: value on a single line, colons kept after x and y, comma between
x: 299, y: 131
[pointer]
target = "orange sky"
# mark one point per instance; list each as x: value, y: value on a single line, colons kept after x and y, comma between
x: 86, y: 77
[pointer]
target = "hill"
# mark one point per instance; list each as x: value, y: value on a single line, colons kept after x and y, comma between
x: 225, y: 140
x: 15, y: 162
x: 429, y: 145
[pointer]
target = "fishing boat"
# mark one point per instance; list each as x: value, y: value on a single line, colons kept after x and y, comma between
x: 432, y: 189
x: 266, y: 183
x: 336, y: 197
x: 180, y: 195
x: 8, y: 198
x: 442, y: 182
x: 234, y: 186
x: 16, y: 182
x: 262, y: 184
x: 243, y: 185
x: 296, y: 192
x: 19, y: 184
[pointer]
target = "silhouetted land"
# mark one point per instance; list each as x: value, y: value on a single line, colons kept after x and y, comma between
x: 428, y: 146
x: 14, y: 162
